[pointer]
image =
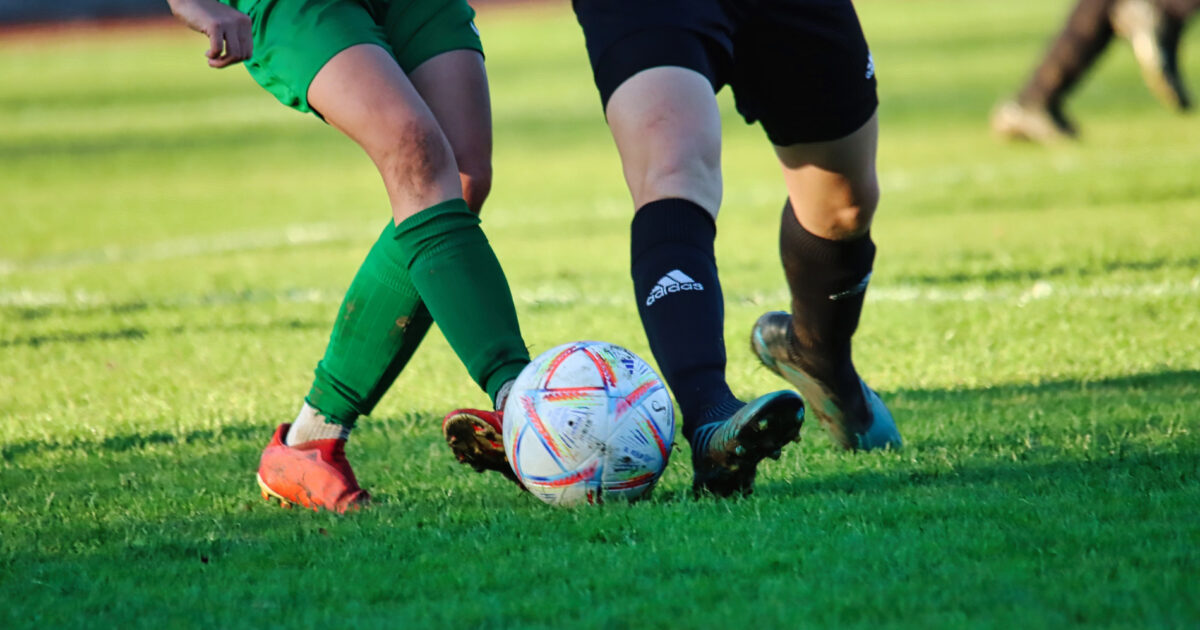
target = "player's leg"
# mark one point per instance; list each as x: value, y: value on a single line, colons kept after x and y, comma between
x: 827, y: 150
x: 668, y: 132
x: 459, y: 102
x: 1036, y: 112
x: 828, y: 255
x: 656, y: 80
x: 1154, y: 30
x: 432, y: 243
x: 435, y: 238
x: 454, y: 85
x: 305, y: 460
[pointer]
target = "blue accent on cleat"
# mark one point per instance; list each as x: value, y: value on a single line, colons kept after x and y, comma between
x: 769, y: 340
x: 883, y: 433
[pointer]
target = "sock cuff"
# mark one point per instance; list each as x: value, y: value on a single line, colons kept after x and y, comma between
x: 857, y: 254
x: 435, y: 220
x: 332, y: 401
x: 672, y: 221
x: 386, y: 264
x: 424, y: 233
x: 451, y: 211
x: 504, y: 374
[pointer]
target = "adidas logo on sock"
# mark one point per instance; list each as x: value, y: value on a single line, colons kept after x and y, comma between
x: 674, y: 282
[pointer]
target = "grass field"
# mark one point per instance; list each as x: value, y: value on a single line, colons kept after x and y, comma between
x: 174, y: 245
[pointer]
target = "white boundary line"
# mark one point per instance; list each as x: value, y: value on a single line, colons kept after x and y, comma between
x: 286, y: 236
x: 290, y: 235
x: 571, y: 296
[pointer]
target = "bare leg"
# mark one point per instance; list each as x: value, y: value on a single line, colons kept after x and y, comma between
x: 1085, y: 35
x: 827, y: 257
x: 1036, y: 113
x: 832, y: 185
x: 455, y: 87
x: 668, y: 131
x: 441, y: 256
x: 364, y: 94
x: 1154, y: 30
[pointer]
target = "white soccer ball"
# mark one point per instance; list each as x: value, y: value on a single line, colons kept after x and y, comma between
x: 588, y: 421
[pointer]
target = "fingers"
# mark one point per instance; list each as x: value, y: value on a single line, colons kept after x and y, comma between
x: 229, y: 42
x: 246, y: 41
x: 216, y: 44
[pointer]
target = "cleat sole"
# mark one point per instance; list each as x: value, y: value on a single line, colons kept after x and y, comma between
x: 477, y: 444
x: 776, y: 422
x: 268, y: 494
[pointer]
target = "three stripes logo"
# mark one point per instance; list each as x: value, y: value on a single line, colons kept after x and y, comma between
x: 674, y: 282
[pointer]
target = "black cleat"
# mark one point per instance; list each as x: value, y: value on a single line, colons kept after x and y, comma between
x: 727, y: 461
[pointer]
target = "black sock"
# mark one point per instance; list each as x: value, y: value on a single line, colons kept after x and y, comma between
x: 679, y: 299
x: 828, y: 280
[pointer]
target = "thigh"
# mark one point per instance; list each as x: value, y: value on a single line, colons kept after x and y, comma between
x: 625, y: 37
x: 365, y: 94
x: 419, y: 30
x: 294, y: 39
x: 668, y: 131
x: 802, y: 68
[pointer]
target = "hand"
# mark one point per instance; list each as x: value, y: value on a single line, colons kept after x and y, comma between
x: 227, y: 28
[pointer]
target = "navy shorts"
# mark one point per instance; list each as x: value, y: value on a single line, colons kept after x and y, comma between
x: 801, y: 67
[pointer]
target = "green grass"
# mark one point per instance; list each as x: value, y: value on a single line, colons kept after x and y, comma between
x: 174, y: 246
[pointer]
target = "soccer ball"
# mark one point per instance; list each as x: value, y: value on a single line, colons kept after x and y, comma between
x: 588, y: 421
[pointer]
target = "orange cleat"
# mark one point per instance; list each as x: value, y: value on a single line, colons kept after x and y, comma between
x: 314, y: 474
x: 477, y: 439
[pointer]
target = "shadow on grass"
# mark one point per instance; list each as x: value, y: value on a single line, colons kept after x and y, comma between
x: 155, y: 142
x: 134, y: 441
x: 72, y: 337
x: 1173, y: 468
x: 1135, y: 382
x: 140, y: 334
x: 1047, y: 395
x: 256, y: 431
x: 176, y: 505
x: 1049, y: 273
x: 215, y: 299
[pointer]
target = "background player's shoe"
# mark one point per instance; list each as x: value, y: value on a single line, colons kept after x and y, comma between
x: 314, y: 474
x: 770, y: 340
x: 1154, y: 36
x: 725, y: 454
x: 1014, y: 121
x: 477, y: 439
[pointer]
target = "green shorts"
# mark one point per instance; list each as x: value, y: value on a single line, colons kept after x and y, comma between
x: 294, y: 39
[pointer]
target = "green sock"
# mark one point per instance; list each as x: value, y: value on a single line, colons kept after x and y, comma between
x: 457, y: 275
x: 379, y: 326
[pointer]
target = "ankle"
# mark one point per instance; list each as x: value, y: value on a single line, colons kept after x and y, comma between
x: 311, y: 424
x: 699, y: 425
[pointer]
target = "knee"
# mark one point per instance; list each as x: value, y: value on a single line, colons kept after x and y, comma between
x: 692, y: 177
x: 836, y: 208
x: 416, y: 158
x: 854, y: 218
x: 476, y: 179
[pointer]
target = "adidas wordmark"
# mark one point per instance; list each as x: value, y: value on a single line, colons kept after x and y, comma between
x: 674, y: 282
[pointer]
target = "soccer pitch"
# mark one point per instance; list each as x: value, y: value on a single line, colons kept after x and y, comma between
x: 175, y: 244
